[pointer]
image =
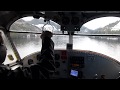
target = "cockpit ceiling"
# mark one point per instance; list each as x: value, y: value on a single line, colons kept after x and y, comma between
x: 8, y: 17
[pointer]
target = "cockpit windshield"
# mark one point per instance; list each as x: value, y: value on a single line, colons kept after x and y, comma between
x: 27, y: 43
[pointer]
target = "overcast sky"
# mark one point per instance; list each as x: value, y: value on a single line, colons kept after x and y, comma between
x: 93, y: 24
x: 101, y: 22
x: 28, y: 18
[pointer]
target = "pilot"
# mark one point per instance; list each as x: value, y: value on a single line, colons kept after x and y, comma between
x: 47, y: 52
x: 3, y: 51
x: 5, y: 71
x: 46, y: 65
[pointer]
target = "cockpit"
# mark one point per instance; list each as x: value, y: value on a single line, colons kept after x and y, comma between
x: 80, y: 52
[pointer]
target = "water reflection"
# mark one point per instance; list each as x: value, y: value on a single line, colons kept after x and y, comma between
x: 107, y: 45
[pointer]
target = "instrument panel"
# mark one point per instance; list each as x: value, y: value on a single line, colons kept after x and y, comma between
x: 79, y: 64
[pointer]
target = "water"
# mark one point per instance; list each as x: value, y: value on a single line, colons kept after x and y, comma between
x: 30, y: 44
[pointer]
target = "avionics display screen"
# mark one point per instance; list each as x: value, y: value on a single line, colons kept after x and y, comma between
x: 74, y: 73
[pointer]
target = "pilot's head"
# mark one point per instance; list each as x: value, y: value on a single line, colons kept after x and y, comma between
x: 46, y: 34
